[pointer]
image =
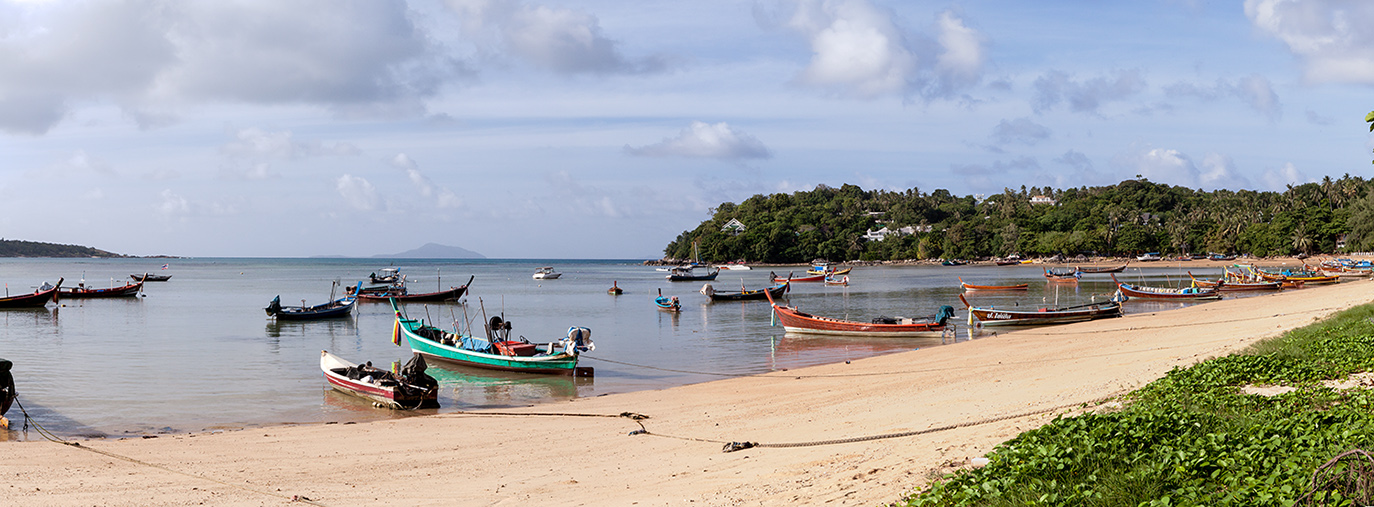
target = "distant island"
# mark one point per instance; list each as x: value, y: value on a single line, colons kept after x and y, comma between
x: 19, y: 248
x: 434, y: 251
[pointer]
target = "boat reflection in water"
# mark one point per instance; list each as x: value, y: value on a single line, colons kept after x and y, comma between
x: 465, y: 388
x: 334, y: 328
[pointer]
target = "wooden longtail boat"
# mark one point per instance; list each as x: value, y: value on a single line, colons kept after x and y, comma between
x: 1183, y: 294
x: 1234, y: 286
x: 334, y: 309
x: 798, y: 322
x: 666, y: 303
x: 1061, y: 275
x: 409, y: 390
x: 39, y: 297
x: 841, y: 281
x: 148, y: 277
x: 498, y: 351
x: 746, y: 295
x: 1042, y: 316
x: 969, y: 286
x: 614, y: 290
x: 404, y: 295
x: 825, y: 269
x: 1107, y: 269
x: 82, y: 291
x: 1007, y: 262
x: 789, y: 278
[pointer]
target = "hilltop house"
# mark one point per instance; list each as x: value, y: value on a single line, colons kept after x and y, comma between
x: 883, y: 233
x: 733, y: 227
x: 1040, y: 199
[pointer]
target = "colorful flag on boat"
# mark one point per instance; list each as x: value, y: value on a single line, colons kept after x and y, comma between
x: 396, y: 333
x: 164, y: 266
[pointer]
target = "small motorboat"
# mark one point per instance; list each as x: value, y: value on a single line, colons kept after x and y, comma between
x: 498, y: 351
x: 411, y: 389
x: 687, y: 274
x: 389, y: 275
x: 546, y: 273
x: 335, y: 308
x: 833, y: 280
x: 666, y: 303
x: 745, y: 295
x: 969, y: 286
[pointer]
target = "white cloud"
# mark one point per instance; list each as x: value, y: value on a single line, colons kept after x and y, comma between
x: 559, y: 40
x: 258, y: 144
x: 1279, y: 179
x: 442, y: 197
x: 1021, y: 131
x: 1330, y: 37
x: 703, y: 140
x: 148, y: 57
x: 1161, y: 166
x: 1087, y: 96
x: 1255, y: 90
x: 173, y: 206
x: 359, y: 193
x: 858, y: 50
x: 1219, y: 171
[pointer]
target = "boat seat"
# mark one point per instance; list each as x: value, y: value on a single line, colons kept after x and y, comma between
x: 516, y: 348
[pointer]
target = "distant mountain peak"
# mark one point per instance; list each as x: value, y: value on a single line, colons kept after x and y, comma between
x: 434, y: 251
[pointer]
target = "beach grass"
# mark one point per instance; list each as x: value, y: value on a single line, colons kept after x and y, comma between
x: 1195, y: 437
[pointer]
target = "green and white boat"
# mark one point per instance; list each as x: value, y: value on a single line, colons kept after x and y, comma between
x: 497, y: 351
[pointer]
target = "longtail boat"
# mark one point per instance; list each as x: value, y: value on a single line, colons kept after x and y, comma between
x: 497, y: 351
x: 37, y: 299
x: 833, y: 280
x: 149, y: 277
x: 991, y: 316
x: 826, y: 269
x: 1102, y: 269
x: 334, y: 309
x: 1183, y: 294
x: 401, y: 293
x: 969, y: 286
x: 82, y: 291
x: 1062, y: 275
x: 1235, y: 286
x: 789, y: 278
x: 615, y: 289
x: 411, y: 389
x: 797, y: 322
x: 666, y: 303
x: 746, y: 295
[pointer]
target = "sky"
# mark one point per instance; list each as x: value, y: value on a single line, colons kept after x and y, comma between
x: 603, y: 129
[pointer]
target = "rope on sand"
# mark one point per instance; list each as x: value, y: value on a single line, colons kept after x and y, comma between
x: 732, y: 446
x: 50, y: 436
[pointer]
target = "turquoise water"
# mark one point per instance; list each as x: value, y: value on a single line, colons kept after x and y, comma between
x: 197, y: 353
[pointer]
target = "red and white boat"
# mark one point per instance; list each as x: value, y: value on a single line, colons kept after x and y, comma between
x: 797, y: 322
x: 410, y: 389
x: 38, y: 298
x: 789, y: 277
x: 969, y: 286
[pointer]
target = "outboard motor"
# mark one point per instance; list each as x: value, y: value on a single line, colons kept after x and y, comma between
x: 579, y: 340
x: 6, y: 386
x: 708, y: 290
x: 944, y: 314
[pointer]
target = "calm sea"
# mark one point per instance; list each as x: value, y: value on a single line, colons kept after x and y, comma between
x: 197, y: 353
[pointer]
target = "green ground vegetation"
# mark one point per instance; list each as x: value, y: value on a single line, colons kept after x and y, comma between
x: 1131, y: 217
x: 1192, y: 437
x: 17, y: 248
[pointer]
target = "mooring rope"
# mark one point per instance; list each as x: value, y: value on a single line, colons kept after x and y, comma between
x: 50, y: 436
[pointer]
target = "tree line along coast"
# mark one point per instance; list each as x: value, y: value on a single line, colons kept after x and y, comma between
x: 1135, y: 216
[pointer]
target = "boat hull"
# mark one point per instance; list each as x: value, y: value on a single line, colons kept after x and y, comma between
x: 130, y: 290
x: 555, y: 364
x: 797, y: 322
x: 333, y: 310
x: 383, y: 395
x: 750, y: 295
x: 36, y: 300
x: 151, y: 278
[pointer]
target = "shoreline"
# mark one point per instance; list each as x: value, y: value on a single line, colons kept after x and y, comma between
x: 484, y: 459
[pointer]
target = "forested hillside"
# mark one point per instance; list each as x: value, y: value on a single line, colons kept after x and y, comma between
x: 1130, y: 217
x: 17, y: 248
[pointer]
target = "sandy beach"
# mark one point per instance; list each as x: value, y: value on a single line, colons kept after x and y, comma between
x: 990, y: 388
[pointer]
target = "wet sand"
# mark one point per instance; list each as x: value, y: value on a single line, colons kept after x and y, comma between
x: 992, y: 388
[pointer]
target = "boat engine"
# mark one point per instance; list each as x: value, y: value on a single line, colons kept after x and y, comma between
x: 708, y: 290
x: 6, y: 386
